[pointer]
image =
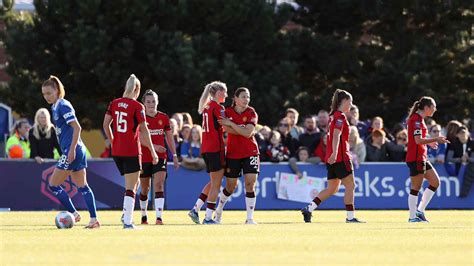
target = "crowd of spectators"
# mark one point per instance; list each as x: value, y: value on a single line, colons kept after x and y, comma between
x: 288, y: 141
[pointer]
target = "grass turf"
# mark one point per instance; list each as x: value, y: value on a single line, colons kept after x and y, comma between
x: 280, y: 238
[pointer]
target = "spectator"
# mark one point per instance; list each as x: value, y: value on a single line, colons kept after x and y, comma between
x: 357, y: 147
x: 186, y: 143
x: 379, y: 150
x: 451, y: 130
x: 436, y: 155
x: 320, y: 150
x: 42, y: 137
x: 323, y: 121
x: 192, y: 155
x: 191, y: 147
x: 286, y: 139
x: 263, y: 140
x: 353, y: 118
x: 459, y: 151
x: 293, y: 116
x: 187, y: 119
x: 178, y: 117
x: 17, y: 145
x: 302, y: 155
x: 398, y: 150
x: 277, y: 151
x: 377, y: 123
x: 311, y: 136
x: 177, y: 139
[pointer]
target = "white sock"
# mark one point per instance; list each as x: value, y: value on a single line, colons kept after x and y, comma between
x: 313, y: 206
x: 250, y: 203
x: 350, y: 215
x: 222, y: 201
x: 159, y: 204
x: 425, y: 199
x: 198, y: 205
x: 144, y: 207
x: 128, y: 203
x: 209, y: 212
x: 412, y: 201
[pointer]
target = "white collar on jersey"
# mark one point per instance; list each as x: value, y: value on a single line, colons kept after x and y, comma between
x: 55, y: 105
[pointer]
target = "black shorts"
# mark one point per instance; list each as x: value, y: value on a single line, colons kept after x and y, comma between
x: 128, y: 165
x: 419, y: 167
x: 339, y: 169
x: 215, y: 161
x: 149, y: 169
x: 249, y: 165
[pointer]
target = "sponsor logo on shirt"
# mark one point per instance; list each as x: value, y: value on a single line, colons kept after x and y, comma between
x: 155, y: 132
x: 67, y: 115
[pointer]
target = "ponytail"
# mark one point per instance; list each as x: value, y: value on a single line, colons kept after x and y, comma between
x: 337, y: 98
x: 420, y: 104
x: 130, y: 87
x: 54, y: 82
x: 210, y: 91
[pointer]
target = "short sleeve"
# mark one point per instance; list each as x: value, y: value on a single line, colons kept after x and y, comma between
x: 67, y: 112
x: 417, y: 128
x: 140, y: 113
x: 339, y: 121
x: 253, y: 118
x: 218, y: 111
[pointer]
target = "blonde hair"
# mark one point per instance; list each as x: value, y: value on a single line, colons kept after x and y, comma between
x: 37, y: 129
x: 54, y: 82
x: 354, y: 132
x: 130, y: 87
x: 210, y: 91
x: 198, y: 128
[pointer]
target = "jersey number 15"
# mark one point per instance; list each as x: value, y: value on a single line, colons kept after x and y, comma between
x: 121, y: 121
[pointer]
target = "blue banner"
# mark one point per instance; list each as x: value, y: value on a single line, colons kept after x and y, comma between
x: 23, y: 186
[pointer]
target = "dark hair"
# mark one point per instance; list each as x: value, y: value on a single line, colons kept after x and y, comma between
x: 337, y: 98
x: 420, y: 104
x: 461, y: 128
x: 237, y: 93
x: 301, y: 148
x: 19, y: 123
x: 149, y: 93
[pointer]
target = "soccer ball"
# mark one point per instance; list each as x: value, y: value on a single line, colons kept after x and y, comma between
x: 64, y: 220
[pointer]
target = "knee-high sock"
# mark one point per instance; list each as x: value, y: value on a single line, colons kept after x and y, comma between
x: 128, y: 204
x: 412, y: 202
x: 63, y: 197
x: 223, y: 197
x: 250, y: 202
x: 88, y: 196
x: 159, y: 203
x: 425, y: 199
x: 143, y: 204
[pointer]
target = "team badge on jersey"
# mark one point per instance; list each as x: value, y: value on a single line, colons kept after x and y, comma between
x: 160, y: 122
x: 244, y: 119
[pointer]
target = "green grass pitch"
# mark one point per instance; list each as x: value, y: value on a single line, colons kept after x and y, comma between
x: 281, y: 237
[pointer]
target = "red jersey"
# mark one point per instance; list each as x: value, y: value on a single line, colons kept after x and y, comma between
x: 212, y: 135
x: 238, y: 146
x: 416, y: 127
x: 339, y: 121
x: 157, y: 126
x: 126, y: 114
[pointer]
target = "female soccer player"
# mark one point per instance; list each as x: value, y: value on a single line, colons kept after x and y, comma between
x: 417, y: 159
x: 242, y: 152
x: 338, y: 159
x: 212, y: 148
x: 73, y: 160
x: 128, y: 117
x: 159, y: 126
